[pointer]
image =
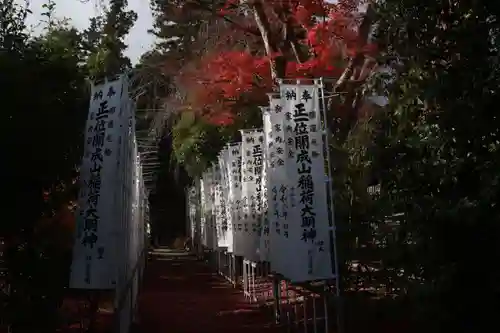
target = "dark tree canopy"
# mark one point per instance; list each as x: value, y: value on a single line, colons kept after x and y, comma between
x: 45, y: 90
x: 427, y: 238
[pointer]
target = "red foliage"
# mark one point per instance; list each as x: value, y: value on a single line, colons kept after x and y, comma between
x: 225, y: 77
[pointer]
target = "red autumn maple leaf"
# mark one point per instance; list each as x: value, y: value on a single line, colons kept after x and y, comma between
x: 225, y: 76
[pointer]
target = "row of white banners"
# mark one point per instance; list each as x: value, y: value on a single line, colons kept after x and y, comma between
x: 110, y: 221
x: 267, y: 197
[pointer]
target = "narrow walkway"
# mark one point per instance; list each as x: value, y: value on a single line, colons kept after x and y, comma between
x: 182, y: 295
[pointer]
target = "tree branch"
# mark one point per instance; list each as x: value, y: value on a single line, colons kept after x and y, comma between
x: 205, y: 6
x: 262, y: 22
x: 357, y: 60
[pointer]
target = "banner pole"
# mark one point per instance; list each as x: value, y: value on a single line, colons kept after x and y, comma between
x: 333, y: 237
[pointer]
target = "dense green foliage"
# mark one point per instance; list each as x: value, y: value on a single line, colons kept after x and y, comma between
x: 428, y: 235
x: 427, y: 238
x: 45, y: 93
x: 434, y: 152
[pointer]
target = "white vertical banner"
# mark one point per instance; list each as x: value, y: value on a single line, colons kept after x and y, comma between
x: 94, y: 263
x: 220, y: 209
x: 134, y: 253
x: 123, y: 185
x: 193, y: 202
x: 225, y: 232
x: 235, y: 196
x: 204, y: 209
x: 135, y: 208
x: 196, y: 230
x: 310, y: 231
x: 264, y: 245
x: 278, y: 190
x: 124, y: 259
x: 208, y: 208
x: 252, y: 163
x: 126, y: 249
x: 225, y: 236
x: 232, y: 189
x: 212, y: 221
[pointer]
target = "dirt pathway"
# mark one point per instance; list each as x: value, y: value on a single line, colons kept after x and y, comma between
x: 182, y: 295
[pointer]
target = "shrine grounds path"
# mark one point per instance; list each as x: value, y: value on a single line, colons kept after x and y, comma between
x: 182, y: 295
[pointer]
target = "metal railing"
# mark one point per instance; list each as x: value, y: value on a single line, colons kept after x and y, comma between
x: 126, y: 299
x: 304, y: 307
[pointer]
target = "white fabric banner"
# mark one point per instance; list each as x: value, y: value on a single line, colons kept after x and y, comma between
x: 220, y: 208
x: 264, y: 245
x: 130, y: 208
x: 94, y: 263
x: 208, y: 221
x: 123, y: 191
x: 192, y: 198
x: 235, y: 202
x: 310, y: 227
x: 211, y: 223
x: 134, y: 225
x: 199, y: 213
x: 252, y: 159
x: 232, y: 167
x: 278, y: 188
x: 204, y: 209
x: 224, y: 237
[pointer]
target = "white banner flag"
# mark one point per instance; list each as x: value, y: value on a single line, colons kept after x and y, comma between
x: 212, y: 222
x: 233, y: 173
x: 235, y: 195
x: 278, y: 191
x: 193, y: 206
x: 199, y: 213
x: 94, y: 263
x: 220, y: 208
x: 204, y: 209
x: 225, y: 235
x: 264, y: 245
x: 134, y: 225
x: 123, y: 187
x: 208, y: 222
x: 310, y: 231
x: 252, y: 163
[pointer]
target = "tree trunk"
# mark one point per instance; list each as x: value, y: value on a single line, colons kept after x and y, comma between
x: 277, y: 68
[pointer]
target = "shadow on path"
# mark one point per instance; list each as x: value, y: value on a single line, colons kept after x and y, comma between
x: 182, y: 295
